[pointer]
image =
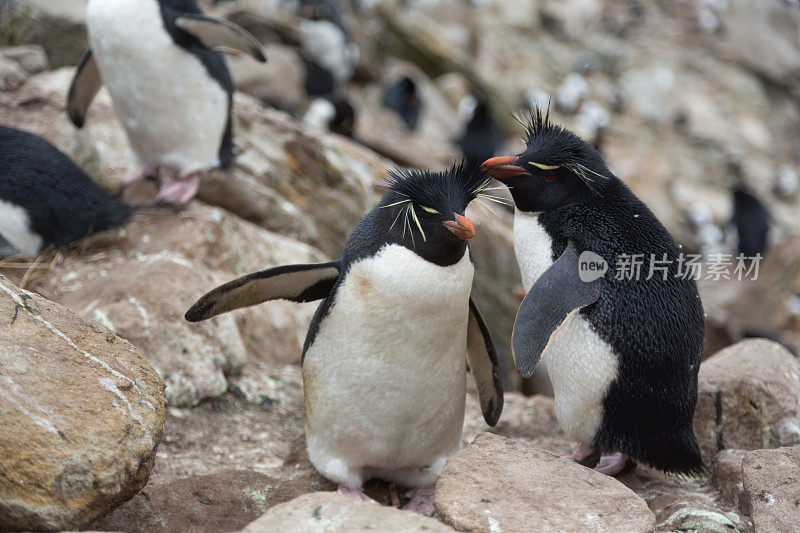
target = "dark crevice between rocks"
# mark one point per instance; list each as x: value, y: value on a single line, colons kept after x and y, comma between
x: 718, y: 420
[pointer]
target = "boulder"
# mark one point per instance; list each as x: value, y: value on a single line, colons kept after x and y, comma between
x: 497, y: 484
x: 31, y: 57
x: 749, y: 398
x: 682, y: 503
x: 330, y: 512
x: 59, y: 27
x: 82, y: 414
x: 772, y: 488
x: 726, y: 477
x: 223, y: 501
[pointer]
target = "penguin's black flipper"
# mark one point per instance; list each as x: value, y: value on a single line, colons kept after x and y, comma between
x: 217, y: 33
x: 484, y: 366
x: 83, y: 89
x: 557, y: 294
x: 298, y: 283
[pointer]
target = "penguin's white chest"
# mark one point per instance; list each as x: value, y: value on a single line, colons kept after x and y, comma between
x: 580, y: 364
x: 384, y: 380
x: 175, y: 114
x: 15, y: 227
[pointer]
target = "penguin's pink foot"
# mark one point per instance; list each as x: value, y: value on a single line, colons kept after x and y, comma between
x: 421, y: 500
x: 354, y: 493
x: 179, y: 192
x: 583, y: 451
x: 611, y: 465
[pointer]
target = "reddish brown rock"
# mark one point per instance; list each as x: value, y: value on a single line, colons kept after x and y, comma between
x: 749, y: 398
x: 772, y: 488
x: 82, y: 413
x: 497, y: 484
x: 224, y: 501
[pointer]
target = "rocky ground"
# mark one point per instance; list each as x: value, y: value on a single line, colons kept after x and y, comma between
x: 199, y: 427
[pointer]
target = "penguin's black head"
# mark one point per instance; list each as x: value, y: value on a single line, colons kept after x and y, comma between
x: 557, y: 168
x: 424, y: 210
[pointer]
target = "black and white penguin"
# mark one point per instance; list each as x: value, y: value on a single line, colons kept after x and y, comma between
x: 331, y: 112
x: 325, y: 46
x: 402, y: 98
x: 45, y: 199
x: 622, y: 351
x: 482, y: 137
x: 171, y: 89
x: 751, y: 220
x: 384, y: 359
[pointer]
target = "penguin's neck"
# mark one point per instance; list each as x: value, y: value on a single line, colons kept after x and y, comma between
x: 533, y: 246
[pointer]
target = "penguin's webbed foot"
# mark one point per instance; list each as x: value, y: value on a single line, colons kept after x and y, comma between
x: 585, y: 455
x: 421, y: 501
x: 146, y: 173
x: 611, y: 464
x: 179, y: 192
x: 354, y: 493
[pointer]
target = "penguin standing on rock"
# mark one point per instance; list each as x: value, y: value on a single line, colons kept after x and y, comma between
x: 171, y: 89
x: 384, y: 359
x: 622, y: 349
x: 45, y: 199
x: 402, y: 97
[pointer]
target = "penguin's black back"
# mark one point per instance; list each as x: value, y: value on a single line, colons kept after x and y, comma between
x: 63, y: 203
x: 655, y: 327
x: 482, y: 136
x: 213, y: 61
x: 751, y: 220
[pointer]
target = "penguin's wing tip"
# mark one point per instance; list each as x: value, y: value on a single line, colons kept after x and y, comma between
x: 84, y: 87
x: 218, y: 33
x: 484, y: 366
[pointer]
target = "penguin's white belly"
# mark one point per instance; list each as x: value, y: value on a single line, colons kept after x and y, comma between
x: 580, y: 364
x: 15, y: 227
x: 384, y: 380
x: 175, y: 114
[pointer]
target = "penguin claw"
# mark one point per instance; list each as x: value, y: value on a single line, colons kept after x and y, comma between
x: 355, y: 494
x: 421, y: 501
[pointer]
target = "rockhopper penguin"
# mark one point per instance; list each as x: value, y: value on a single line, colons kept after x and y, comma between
x: 171, y: 89
x: 46, y: 199
x: 385, y: 357
x: 623, y: 352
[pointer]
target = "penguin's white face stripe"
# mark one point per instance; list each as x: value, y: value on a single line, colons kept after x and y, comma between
x: 173, y: 111
x: 384, y: 379
x: 581, y: 365
x: 15, y: 228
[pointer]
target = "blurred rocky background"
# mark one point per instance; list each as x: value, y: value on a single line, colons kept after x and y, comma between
x: 687, y: 100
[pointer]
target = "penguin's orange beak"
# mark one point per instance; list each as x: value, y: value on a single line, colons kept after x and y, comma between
x: 503, y: 168
x: 461, y: 227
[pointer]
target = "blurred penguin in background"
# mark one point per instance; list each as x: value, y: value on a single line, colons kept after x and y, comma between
x: 330, y: 59
x: 751, y: 222
x: 482, y: 137
x: 402, y: 98
x: 327, y: 51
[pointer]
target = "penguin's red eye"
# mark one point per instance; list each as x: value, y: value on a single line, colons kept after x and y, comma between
x: 550, y: 177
